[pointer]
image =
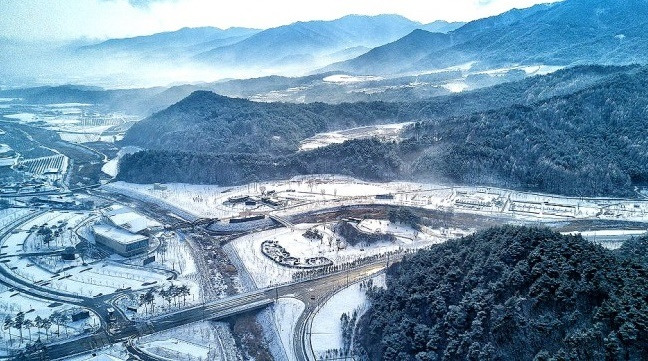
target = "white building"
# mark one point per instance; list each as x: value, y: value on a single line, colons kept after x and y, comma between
x: 129, y: 220
x: 120, y: 241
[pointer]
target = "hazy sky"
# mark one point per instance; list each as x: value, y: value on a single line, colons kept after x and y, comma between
x: 68, y: 19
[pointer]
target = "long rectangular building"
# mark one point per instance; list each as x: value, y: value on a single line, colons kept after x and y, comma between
x: 120, y: 241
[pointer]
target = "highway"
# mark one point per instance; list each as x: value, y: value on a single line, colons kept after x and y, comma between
x: 317, y: 296
x: 311, y: 291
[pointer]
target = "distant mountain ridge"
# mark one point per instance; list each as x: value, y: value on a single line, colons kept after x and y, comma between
x: 295, y: 43
x: 316, y: 41
x: 564, y: 33
x: 184, y: 42
x: 209, y: 54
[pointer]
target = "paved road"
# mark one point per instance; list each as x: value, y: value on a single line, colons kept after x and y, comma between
x: 121, y: 330
x: 221, y: 309
x: 302, y: 343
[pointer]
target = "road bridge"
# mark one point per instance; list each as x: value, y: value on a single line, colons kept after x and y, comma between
x: 214, y: 310
x: 281, y: 220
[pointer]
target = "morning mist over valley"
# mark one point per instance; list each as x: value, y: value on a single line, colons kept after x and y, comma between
x: 326, y: 180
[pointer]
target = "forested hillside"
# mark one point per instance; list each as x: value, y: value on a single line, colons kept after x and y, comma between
x: 207, y: 122
x: 592, y: 142
x: 367, y: 159
x: 635, y: 249
x: 510, y: 293
x: 579, y: 132
x: 565, y: 33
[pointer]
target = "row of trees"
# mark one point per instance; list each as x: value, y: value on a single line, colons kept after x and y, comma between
x: 172, y: 295
x: 46, y: 234
x: 20, y: 323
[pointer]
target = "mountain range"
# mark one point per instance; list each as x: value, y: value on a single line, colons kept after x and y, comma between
x: 560, y: 34
x: 185, y: 43
x: 564, y: 33
x: 576, y: 132
x: 293, y: 48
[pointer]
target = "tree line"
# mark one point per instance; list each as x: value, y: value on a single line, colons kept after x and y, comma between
x: 588, y: 142
x: 509, y: 293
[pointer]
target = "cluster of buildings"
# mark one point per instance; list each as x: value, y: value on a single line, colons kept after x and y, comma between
x: 30, y: 185
x: 124, y: 231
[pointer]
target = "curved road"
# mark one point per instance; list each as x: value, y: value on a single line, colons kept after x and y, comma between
x: 220, y: 309
x: 312, y: 290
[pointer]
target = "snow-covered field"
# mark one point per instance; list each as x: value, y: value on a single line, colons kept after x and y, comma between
x: 24, y: 238
x: 265, y: 272
x: 407, y: 236
x: 456, y: 87
x: 385, y: 132
x: 209, y: 200
x: 23, y: 117
x: 112, y: 166
x: 12, y: 303
x: 92, y: 280
x: 10, y: 215
x: 286, y: 311
x: 103, y: 277
x: 75, y: 122
x: 198, y: 341
x: 343, y: 78
x: 326, y: 329
x: 307, y: 193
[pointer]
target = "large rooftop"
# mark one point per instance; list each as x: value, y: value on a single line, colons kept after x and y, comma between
x: 117, y: 234
x: 128, y: 219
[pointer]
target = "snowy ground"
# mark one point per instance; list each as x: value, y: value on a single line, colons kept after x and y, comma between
x: 111, y: 167
x: 263, y: 271
x: 12, y: 302
x: 326, y: 329
x: 76, y: 123
x: 266, y: 272
x: 211, y: 201
x: 456, y: 87
x: 407, y: 236
x: 286, y: 311
x: 10, y: 215
x: 198, y: 341
x: 387, y: 132
x: 343, y: 78
x: 103, y: 277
